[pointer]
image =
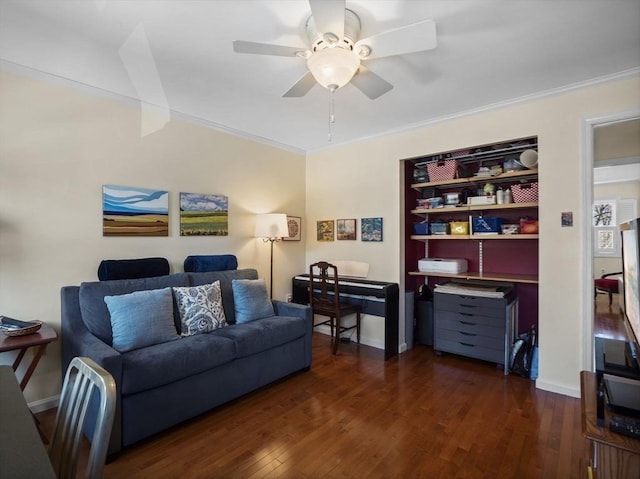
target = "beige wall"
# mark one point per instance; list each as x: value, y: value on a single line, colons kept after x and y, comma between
x: 363, y: 180
x: 59, y: 145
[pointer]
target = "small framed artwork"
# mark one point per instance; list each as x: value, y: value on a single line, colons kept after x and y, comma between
x: 346, y: 229
x: 324, y: 230
x: 295, y: 228
x: 371, y: 229
x: 605, y: 243
x: 604, y: 213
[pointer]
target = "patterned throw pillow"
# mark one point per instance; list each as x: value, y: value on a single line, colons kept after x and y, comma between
x: 200, y: 308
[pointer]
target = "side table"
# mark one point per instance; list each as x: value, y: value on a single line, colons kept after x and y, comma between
x: 40, y: 339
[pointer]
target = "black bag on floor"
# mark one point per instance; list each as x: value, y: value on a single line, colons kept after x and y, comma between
x: 522, y: 352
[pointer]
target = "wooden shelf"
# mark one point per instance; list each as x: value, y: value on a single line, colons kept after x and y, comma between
x: 510, y: 176
x: 506, y: 277
x: 475, y: 237
x: 467, y: 208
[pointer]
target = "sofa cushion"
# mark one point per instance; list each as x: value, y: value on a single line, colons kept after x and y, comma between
x: 161, y: 364
x: 205, y: 263
x: 200, y: 308
x: 225, y: 278
x: 95, y: 314
x: 141, y: 318
x: 251, y: 300
x: 262, y: 334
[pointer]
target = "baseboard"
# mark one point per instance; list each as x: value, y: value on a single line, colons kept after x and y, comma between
x: 44, y: 404
x: 563, y: 389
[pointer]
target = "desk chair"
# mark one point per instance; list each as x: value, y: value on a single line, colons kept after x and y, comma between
x: 84, y: 383
x: 323, y: 277
x: 607, y: 285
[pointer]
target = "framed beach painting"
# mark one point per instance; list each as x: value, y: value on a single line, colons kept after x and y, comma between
x: 204, y: 215
x: 131, y: 211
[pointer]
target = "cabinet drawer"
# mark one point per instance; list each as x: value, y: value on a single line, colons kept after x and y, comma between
x: 470, y: 350
x: 493, y: 327
x: 472, y: 339
x: 470, y: 304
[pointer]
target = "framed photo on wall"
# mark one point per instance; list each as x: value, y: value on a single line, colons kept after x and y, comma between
x: 346, y: 229
x: 371, y: 229
x: 294, y: 224
x: 324, y: 230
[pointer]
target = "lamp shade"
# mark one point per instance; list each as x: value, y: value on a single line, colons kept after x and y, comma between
x: 333, y: 67
x: 272, y: 225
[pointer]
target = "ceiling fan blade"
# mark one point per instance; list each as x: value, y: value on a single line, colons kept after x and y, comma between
x: 328, y: 16
x: 370, y: 84
x: 301, y: 87
x: 408, y: 39
x: 240, y: 46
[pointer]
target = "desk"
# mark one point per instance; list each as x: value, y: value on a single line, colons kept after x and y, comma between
x: 613, y: 455
x: 22, y: 454
x: 39, y: 340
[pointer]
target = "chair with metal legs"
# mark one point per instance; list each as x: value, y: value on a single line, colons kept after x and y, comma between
x: 84, y: 382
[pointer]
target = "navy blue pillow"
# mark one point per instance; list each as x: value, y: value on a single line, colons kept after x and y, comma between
x: 141, y: 319
x: 251, y: 300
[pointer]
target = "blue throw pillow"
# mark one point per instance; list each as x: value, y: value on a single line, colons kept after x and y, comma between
x: 200, y: 308
x: 141, y: 319
x: 251, y: 300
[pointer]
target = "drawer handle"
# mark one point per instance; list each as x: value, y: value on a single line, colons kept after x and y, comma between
x: 468, y: 305
x: 467, y: 334
x: 468, y: 323
x: 467, y: 344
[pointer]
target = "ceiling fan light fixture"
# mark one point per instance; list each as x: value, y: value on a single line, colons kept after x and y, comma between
x: 333, y: 67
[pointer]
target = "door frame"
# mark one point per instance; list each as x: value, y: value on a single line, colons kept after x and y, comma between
x: 588, y: 126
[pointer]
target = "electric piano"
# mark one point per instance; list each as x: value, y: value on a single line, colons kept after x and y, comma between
x: 377, y: 298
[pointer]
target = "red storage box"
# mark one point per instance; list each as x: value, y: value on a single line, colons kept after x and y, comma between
x: 529, y: 227
x: 442, y: 170
x: 525, y: 192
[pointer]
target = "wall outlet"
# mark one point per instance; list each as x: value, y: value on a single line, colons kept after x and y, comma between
x: 287, y: 298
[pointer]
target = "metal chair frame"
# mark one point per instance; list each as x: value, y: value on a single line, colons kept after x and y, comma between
x: 83, y: 379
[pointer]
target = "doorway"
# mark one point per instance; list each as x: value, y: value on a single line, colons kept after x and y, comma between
x: 593, y: 128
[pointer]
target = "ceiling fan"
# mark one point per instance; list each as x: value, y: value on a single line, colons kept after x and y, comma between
x: 335, y: 53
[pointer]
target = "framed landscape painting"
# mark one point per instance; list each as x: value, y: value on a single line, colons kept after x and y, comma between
x: 131, y: 211
x: 204, y: 215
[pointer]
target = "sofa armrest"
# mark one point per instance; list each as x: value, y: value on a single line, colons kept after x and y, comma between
x: 303, y: 311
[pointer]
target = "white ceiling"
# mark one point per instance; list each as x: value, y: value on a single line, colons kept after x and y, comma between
x: 489, y: 52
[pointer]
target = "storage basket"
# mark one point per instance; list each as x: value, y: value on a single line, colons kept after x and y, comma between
x: 459, y: 227
x: 439, y: 228
x: 525, y: 192
x: 420, y: 228
x: 442, y: 170
x: 486, y: 225
x: 528, y: 227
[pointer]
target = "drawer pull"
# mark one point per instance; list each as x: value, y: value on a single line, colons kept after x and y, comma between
x: 468, y: 305
x: 468, y: 323
x: 467, y: 344
x: 467, y: 334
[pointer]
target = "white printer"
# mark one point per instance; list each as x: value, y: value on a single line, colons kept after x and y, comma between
x: 443, y: 265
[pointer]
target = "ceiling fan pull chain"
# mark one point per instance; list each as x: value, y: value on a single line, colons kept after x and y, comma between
x: 332, y: 117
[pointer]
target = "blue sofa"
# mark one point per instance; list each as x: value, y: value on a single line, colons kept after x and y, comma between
x: 164, y: 384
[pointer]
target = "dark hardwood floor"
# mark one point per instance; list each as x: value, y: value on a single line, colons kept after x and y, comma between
x: 356, y: 416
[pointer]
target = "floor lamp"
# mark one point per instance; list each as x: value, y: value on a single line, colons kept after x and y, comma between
x: 271, y: 227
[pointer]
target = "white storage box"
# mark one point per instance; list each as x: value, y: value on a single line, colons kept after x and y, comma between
x: 443, y: 265
x: 482, y: 200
